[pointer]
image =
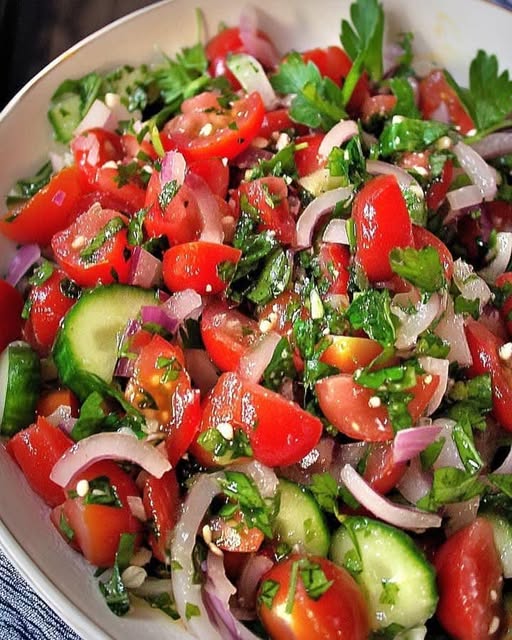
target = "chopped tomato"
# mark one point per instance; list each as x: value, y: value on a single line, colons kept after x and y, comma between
x: 281, y: 312
x: 436, y: 94
x: 279, y: 431
x: 204, y: 130
x: 424, y: 238
x: 134, y: 150
x: 234, y: 535
x: 349, y: 353
x: 484, y: 347
x: 269, y: 197
x: 11, y: 303
x: 93, y: 249
x: 469, y: 577
x: 438, y: 188
x: 161, y: 498
x: 307, y: 159
x: 380, y: 470
x: 275, y: 122
x: 340, y: 612
x: 92, y: 149
x: 205, y: 267
x: 334, y: 262
x: 97, y: 528
x: 128, y: 190
x: 379, y: 106
x: 214, y: 172
x: 175, y: 215
x: 36, y: 450
x: 50, y: 401
x: 348, y: 406
x: 227, y: 335
x: 50, y: 210
x: 185, y: 421
x: 382, y: 223
x: 48, y: 304
x: 505, y: 281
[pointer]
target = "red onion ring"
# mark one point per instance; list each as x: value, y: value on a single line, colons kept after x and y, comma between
x: 501, y: 260
x: 24, y: 258
x: 248, y: 583
x: 253, y: 43
x: 184, y: 304
x: 481, y: 174
x: 253, y: 363
x: 337, y: 135
x: 315, y: 210
x: 212, y: 230
x: 145, y: 269
x: 408, y: 443
x: 62, y: 418
x: 336, y: 232
x: 173, y: 167
x: 153, y: 314
x: 494, y: 145
x: 415, y: 483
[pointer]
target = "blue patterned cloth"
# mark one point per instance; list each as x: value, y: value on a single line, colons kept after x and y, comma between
x: 23, y: 615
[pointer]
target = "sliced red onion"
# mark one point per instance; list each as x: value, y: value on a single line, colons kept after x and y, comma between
x: 251, y: 75
x: 415, y: 483
x: 59, y: 197
x: 136, y: 507
x: 184, y: 304
x: 248, y: 583
x: 62, y: 418
x: 502, y: 258
x: 125, y: 367
x: 201, y: 369
x: 438, y: 367
x: 449, y: 456
x: 8, y: 250
x: 460, y: 514
x: 24, y: 258
x: 89, y: 144
x: 145, y: 269
x: 451, y: 329
x: 253, y: 43
x: 315, y: 210
x: 470, y: 284
x: 249, y: 158
x: 506, y: 465
x: 264, y: 477
x: 173, y: 167
x: 404, y: 179
x: 153, y: 314
x: 318, y: 460
x: 441, y: 114
x: 253, y: 363
x: 409, y: 443
x: 110, y: 446
x: 336, y: 232
x: 98, y: 116
x: 212, y: 230
x: 397, y: 515
x: 494, y: 145
x: 412, y: 324
x: 481, y: 174
x: 462, y: 198
x: 338, y: 135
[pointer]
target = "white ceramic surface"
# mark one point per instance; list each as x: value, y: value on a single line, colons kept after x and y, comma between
x: 447, y: 32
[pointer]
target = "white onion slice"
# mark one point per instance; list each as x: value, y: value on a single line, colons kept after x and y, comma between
x: 481, y: 174
x: 408, y: 443
x: 98, y: 116
x: 336, y: 232
x: 415, y: 483
x: 412, y: 324
x: 449, y: 456
x: 397, y: 515
x: 501, y: 260
x: 212, y: 230
x: 184, y: 304
x: 462, y: 198
x: 253, y: 363
x: 335, y: 137
x: 201, y: 369
x: 470, y: 284
x: 494, y: 145
x: 112, y: 446
x: 315, y: 210
x: 438, y: 367
x: 451, y: 329
x: 251, y: 75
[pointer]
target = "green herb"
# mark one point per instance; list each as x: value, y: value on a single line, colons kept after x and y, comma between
x: 389, y: 592
x: 28, y: 187
x: 326, y: 491
x: 94, y: 417
x: 131, y: 84
x: 503, y: 481
x: 451, y: 485
x: 171, y: 366
x: 114, y: 590
x: 280, y: 366
x: 281, y: 164
x: 226, y: 270
x: 268, y: 592
x: 165, y: 603
x: 420, y: 267
x: 429, y: 344
x: 273, y: 279
x: 313, y: 578
x: 246, y: 496
x: 471, y: 401
x: 112, y: 227
x: 43, y: 272
x: 371, y: 312
x: 349, y: 163
x: 65, y: 527
x: 136, y: 228
x: 467, y: 307
x: 431, y: 453
x: 191, y: 610
x: 214, y: 442
x: 310, y: 340
x: 405, y: 101
x: 292, y: 587
x: 317, y: 102
x: 169, y: 190
x: 462, y: 435
x: 363, y: 43
x: 190, y: 335
x: 409, y: 134
x: 102, y: 492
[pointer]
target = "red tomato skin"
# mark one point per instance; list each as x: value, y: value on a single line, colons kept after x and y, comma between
x: 48, y: 306
x: 214, y: 172
x: 36, y: 450
x: 469, y: 578
x: 50, y: 210
x: 161, y: 498
x: 334, y: 262
x: 110, y: 257
x: 435, y: 91
x: 11, y: 303
x: 484, y: 348
x: 424, y: 238
x: 381, y: 471
x: 98, y: 528
x: 52, y: 400
x: 279, y: 431
x: 227, y: 335
x: 92, y: 149
x: 377, y: 106
x: 106, y: 181
x: 273, y: 218
x: 340, y: 613
x: 275, y: 122
x: 308, y: 160
x: 345, y: 404
x: 438, y: 189
x: 194, y: 265
x: 185, y: 422
x: 382, y: 223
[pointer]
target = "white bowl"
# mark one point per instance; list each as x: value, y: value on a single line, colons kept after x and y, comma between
x: 447, y: 32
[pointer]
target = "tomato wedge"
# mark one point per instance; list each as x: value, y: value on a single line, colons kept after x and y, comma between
x: 435, y: 94
x: 161, y: 498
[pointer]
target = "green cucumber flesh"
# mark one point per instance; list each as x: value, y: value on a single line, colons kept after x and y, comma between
x: 86, y: 348
x: 20, y: 381
x: 498, y: 511
x: 398, y: 582
x: 300, y: 522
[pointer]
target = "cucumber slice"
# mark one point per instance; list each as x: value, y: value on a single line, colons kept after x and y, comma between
x: 65, y: 116
x: 300, y: 521
x: 498, y: 511
x: 86, y: 348
x: 399, y: 583
x: 20, y: 381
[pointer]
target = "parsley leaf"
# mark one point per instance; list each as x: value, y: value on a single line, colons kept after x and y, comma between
x: 420, y: 267
x: 280, y: 366
x: 281, y: 164
x: 410, y: 134
x: 405, y: 102
x: 246, y: 495
x: 313, y: 578
x: 113, y: 226
x: 27, y: 187
x: 349, y: 163
x: 451, y: 485
x: 114, y: 590
x: 371, y: 312
x: 326, y: 491
x: 214, y: 442
x: 268, y: 592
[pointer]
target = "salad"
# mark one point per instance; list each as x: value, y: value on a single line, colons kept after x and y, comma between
x: 255, y: 338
